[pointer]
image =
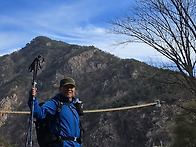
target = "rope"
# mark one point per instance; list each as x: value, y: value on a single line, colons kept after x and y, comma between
x: 121, y: 108
x: 14, y: 112
x: 90, y: 111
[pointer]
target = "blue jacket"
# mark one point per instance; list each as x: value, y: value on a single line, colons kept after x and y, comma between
x: 69, y: 118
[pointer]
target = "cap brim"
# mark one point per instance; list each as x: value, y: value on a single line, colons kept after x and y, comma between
x: 69, y: 84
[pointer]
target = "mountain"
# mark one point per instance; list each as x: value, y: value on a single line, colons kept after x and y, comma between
x: 103, y: 81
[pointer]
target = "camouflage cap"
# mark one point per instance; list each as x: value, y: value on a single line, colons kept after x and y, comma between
x: 67, y: 81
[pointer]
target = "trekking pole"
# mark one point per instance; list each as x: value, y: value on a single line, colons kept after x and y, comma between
x: 35, y: 66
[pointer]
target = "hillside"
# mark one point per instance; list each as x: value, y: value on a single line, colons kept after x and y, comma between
x: 103, y: 81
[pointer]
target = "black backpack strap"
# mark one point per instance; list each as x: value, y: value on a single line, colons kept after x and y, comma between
x: 60, y: 103
x: 59, y: 108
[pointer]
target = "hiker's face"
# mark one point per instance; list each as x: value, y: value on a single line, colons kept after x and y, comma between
x: 68, y: 91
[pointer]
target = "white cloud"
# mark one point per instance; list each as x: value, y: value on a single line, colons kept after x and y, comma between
x: 92, y: 35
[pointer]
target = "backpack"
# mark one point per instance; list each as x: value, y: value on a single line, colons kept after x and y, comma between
x: 44, y: 137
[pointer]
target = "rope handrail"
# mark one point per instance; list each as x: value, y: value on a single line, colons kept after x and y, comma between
x: 90, y: 111
x: 121, y: 108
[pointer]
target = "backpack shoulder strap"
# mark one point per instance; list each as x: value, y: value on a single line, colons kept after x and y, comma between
x: 59, y: 108
x: 60, y: 104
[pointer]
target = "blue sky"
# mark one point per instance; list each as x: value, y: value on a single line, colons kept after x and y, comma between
x: 82, y: 22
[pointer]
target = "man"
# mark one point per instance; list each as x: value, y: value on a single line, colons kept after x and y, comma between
x: 65, y: 129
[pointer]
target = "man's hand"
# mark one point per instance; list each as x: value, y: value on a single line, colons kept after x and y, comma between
x: 32, y: 93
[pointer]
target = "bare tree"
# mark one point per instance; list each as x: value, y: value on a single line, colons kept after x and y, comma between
x: 169, y: 27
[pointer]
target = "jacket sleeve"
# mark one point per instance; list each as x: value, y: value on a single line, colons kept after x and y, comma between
x: 41, y: 112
